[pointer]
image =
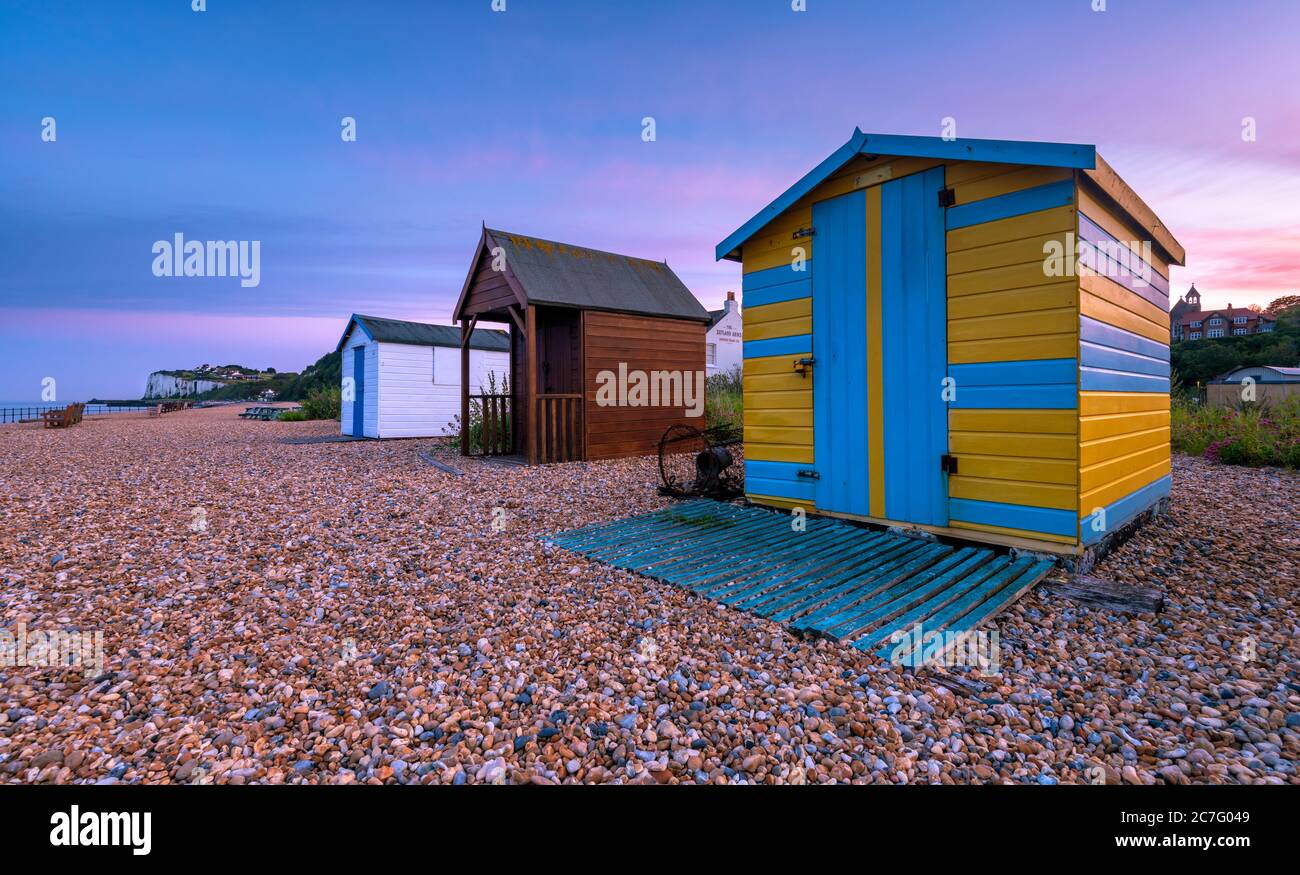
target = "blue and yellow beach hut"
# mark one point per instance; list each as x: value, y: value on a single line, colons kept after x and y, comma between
x: 969, y: 337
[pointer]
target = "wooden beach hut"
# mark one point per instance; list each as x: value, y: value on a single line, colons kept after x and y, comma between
x: 583, y: 323
x: 922, y: 347
x: 403, y: 379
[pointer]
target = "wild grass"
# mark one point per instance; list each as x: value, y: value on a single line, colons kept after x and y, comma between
x: 1251, y: 434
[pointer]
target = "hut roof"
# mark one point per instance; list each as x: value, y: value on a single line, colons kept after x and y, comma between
x: 424, y: 334
x: 564, y: 275
x: 1072, y: 155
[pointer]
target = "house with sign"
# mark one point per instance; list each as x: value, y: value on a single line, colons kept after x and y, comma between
x: 724, y: 342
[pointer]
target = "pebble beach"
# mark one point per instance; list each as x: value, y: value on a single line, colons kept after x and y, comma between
x: 348, y: 613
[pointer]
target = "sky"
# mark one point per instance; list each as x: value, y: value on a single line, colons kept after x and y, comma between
x: 226, y: 124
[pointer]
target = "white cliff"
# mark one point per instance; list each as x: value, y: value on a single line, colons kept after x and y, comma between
x: 165, y: 385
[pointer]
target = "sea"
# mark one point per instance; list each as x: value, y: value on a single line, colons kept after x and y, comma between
x: 12, y: 411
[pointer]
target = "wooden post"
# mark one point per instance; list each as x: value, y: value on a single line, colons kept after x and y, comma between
x: 466, y: 331
x: 530, y: 373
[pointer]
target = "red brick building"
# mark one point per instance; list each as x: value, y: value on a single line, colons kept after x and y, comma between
x: 1187, y: 321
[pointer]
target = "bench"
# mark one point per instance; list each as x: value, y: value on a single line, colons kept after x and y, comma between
x: 68, y: 416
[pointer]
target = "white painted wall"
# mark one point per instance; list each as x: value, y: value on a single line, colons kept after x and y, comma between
x: 728, y: 335
x: 414, y: 391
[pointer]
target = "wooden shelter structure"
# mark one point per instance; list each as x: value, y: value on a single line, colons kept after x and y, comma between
x: 582, y: 321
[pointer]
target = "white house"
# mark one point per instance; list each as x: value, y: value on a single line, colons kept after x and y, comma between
x: 402, y: 379
x: 724, y: 343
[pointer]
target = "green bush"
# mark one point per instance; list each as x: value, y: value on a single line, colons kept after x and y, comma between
x: 293, y: 416
x: 323, y: 403
x: 1249, y: 434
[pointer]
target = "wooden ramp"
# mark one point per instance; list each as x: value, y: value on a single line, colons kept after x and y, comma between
x: 833, y: 579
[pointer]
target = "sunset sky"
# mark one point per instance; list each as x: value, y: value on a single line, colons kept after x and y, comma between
x: 225, y: 125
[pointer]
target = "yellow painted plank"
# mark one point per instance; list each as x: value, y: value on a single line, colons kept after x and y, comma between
x: 1096, y: 451
x: 781, y: 310
x: 779, y: 400
x: 1093, y: 477
x: 1112, y: 292
x: 1098, y: 427
x: 779, y: 453
x: 784, y: 382
x: 780, y: 257
x: 799, y: 437
x: 1057, y: 219
x: 781, y: 328
x: 996, y: 279
x: 875, y: 358
x: 1021, y: 251
x: 1062, y: 471
x: 1019, y: 533
x: 960, y: 172
x: 1013, y: 492
x: 785, y: 503
x: 1014, y: 349
x: 1107, y: 403
x: 1062, y: 320
x: 1010, y: 444
x: 1016, y: 178
x: 773, y: 364
x: 1057, y: 296
x: 1092, y: 499
x: 778, y: 418
x: 1058, y: 422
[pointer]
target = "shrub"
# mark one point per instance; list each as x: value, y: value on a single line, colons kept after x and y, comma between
x: 1251, y: 434
x: 293, y: 416
x: 323, y: 403
x: 476, y: 414
x: 724, y: 400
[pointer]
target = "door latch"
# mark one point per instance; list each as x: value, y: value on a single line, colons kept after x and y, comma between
x: 947, y: 197
x: 810, y: 474
x: 803, y: 232
x: 801, y: 366
x: 948, y: 463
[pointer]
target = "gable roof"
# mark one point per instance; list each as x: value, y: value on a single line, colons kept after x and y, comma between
x: 1075, y: 156
x: 1288, y: 375
x: 1227, y: 313
x: 563, y: 275
x: 715, y: 316
x: 423, y: 334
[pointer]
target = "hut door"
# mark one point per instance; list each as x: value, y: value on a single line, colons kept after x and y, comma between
x: 359, y: 391
x: 880, y: 351
x: 914, y: 353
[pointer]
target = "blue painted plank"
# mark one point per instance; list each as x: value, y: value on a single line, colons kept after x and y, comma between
x: 1063, y: 396
x: 1094, y: 526
x: 840, y: 376
x: 1008, y: 594
x: 798, y: 344
x: 1129, y: 270
x: 776, y: 277
x: 915, y: 354
x: 1093, y: 356
x: 798, y: 603
x: 1013, y: 516
x: 1100, y: 380
x: 1101, y: 334
x: 1016, y: 203
x: 917, y: 561
x: 359, y: 389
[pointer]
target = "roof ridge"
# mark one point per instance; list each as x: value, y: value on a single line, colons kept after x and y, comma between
x: 574, y: 245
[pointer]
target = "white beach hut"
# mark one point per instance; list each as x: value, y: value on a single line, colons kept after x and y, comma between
x: 402, y: 379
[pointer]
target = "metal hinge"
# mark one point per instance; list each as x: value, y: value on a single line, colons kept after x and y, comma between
x: 810, y: 474
x: 947, y: 197
x: 804, y: 232
x: 948, y: 463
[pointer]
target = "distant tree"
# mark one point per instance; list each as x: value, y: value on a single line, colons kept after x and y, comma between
x: 1284, y: 303
x: 269, y: 371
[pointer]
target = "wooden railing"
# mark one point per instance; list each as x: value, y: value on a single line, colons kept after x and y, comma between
x: 494, y: 425
x: 559, y: 427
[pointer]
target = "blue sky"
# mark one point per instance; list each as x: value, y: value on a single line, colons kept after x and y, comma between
x: 225, y: 125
